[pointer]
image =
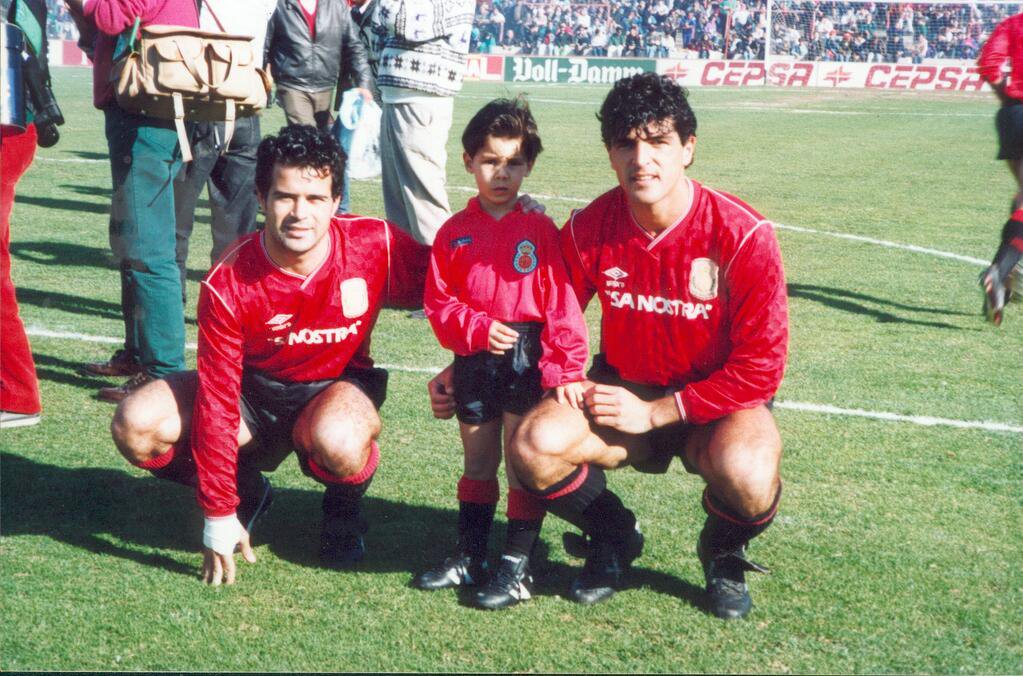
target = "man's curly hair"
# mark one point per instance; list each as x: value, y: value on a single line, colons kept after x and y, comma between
x: 300, y: 146
x: 640, y: 100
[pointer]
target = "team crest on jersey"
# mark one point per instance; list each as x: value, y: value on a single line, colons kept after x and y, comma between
x: 354, y: 297
x: 703, y: 279
x: 525, y: 257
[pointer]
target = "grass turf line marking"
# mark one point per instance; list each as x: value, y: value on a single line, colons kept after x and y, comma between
x: 795, y: 228
x: 885, y: 243
x: 761, y: 108
x: 923, y: 420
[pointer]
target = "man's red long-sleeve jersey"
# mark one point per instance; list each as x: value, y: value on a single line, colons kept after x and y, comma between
x: 701, y: 307
x: 511, y: 270
x: 255, y: 315
x: 1004, y: 44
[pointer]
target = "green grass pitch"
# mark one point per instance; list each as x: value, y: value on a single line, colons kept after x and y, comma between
x: 898, y: 546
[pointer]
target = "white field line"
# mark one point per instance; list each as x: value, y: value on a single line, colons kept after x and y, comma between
x: 762, y: 108
x: 781, y: 226
x: 923, y: 420
x: 890, y: 245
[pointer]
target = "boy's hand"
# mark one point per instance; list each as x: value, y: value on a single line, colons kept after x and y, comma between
x: 571, y: 394
x: 442, y: 394
x: 530, y: 205
x: 502, y: 338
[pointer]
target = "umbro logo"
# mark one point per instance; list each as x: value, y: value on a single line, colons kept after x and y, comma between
x: 616, y: 273
x: 279, y: 322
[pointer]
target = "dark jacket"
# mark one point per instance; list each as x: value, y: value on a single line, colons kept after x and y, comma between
x: 301, y: 63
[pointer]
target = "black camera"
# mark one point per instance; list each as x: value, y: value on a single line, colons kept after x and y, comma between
x: 44, y: 105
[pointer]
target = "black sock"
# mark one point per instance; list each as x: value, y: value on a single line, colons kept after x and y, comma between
x: 474, y: 521
x: 570, y: 497
x: 725, y: 531
x: 608, y: 518
x: 344, y: 501
x: 522, y: 536
x: 583, y: 499
x: 180, y: 470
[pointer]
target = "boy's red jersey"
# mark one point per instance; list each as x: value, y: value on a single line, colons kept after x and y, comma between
x: 509, y: 270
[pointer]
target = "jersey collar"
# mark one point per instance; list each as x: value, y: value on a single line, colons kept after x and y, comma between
x: 654, y: 240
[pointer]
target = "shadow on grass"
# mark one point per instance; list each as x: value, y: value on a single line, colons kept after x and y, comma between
x: 63, y: 254
x: 112, y: 513
x: 97, y: 510
x: 67, y: 303
x: 77, y: 206
x: 56, y: 370
x: 841, y: 299
x: 81, y: 305
x: 88, y: 154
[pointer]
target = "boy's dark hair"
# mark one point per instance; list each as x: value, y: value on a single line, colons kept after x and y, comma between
x: 637, y: 101
x: 503, y: 118
x: 299, y: 146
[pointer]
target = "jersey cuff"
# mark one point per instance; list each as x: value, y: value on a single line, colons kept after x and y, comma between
x: 680, y: 405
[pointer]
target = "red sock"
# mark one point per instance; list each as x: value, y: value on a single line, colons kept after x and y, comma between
x: 361, y: 477
x: 157, y: 462
x: 524, y: 505
x: 478, y: 491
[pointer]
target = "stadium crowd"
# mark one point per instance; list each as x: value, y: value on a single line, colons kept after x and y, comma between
x: 808, y: 30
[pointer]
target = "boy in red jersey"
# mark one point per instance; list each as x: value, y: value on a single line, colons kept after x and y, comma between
x: 694, y: 333
x: 1006, y: 46
x: 284, y: 323
x: 499, y: 297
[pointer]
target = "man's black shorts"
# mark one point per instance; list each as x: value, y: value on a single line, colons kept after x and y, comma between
x: 270, y: 408
x: 665, y: 442
x: 1009, y: 122
x: 487, y: 385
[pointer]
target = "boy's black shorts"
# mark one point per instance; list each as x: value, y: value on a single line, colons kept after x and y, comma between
x: 1009, y: 122
x: 270, y: 408
x: 487, y: 385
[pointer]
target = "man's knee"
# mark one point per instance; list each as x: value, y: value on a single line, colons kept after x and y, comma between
x: 340, y: 447
x: 135, y: 430
x: 744, y: 473
x: 539, y: 443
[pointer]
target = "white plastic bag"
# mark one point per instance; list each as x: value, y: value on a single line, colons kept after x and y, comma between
x: 358, y: 131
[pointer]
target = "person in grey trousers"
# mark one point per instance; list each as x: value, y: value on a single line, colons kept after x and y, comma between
x: 228, y: 174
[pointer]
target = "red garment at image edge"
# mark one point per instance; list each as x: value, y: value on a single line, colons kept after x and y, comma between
x: 1005, y: 44
x: 254, y: 315
x: 701, y: 307
x: 510, y: 270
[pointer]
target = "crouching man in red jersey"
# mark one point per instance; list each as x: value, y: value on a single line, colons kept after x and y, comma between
x: 694, y: 332
x: 284, y: 323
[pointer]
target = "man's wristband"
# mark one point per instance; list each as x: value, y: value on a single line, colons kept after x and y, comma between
x: 222, y: 533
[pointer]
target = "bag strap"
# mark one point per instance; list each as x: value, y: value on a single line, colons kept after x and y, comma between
x: 192, y: 70
x: 229, y: 115
x: 179, y: 125
x: 209, y: 8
